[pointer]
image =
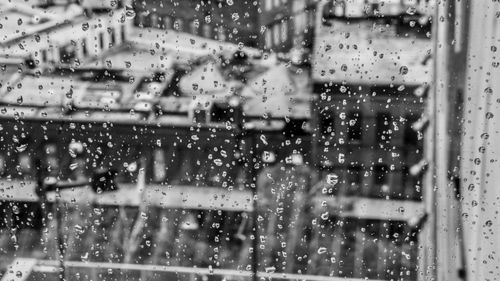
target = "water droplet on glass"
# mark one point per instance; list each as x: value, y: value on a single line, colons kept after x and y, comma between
x: 332, y: 179
x: 341, y: 158
x: 321, y: 250
x: 263, y: 139
x: 15, y: 210
x: 22, y: 147
x: 411, y: 11
x: 403, y: 70
x: 130, y: 13
x: 407, y: 256
x: 325, y: 216
x: 73, y: 166
x: 270, y: 269
x: 79, y: 229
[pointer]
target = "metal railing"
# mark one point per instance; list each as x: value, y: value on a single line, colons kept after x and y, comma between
x: 23, y: 269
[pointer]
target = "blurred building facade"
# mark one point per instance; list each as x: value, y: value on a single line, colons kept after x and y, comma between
x: 231, y: 21
x: 49, y: 39
x: 176, y: 117
x: 273, y: 25
x: 287, y: 25
x: 370, y: 73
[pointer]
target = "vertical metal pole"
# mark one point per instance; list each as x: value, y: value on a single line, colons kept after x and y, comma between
x: 60, y: 237
x: 255, y: 241
x: 251, y: 137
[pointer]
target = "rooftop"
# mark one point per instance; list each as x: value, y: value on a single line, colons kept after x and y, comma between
x: 139, y: 81
x: 21, y: 20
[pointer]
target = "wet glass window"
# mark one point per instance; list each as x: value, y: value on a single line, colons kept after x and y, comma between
x: 249, y: 140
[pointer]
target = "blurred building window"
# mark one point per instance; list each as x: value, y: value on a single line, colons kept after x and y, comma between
x: 3, y: 164
x: 410, y: 135
x: 194, y: 27
x: 207, y: 31
x: 327, y: 124
x: 339, y: 9
x: 411, y: 184
x: 43, y: 55
x: 268, y: 4
x: 101, y: 40
x: 78, y: 162
x: 381, y: 180
x: 25, y: 165
x: 310, y: 18
x: 380, y: 173
x: 348, y: 247
x: 354, y: 179
x: 284, y: 30
x: 276, y: 3
x: 153, y: 19
x: 268, y: 38
x: 159, y: 165
x: 188, y: 166
x: 355, y: 125
x: 67, y: 53
x: 112, y: 36
x: 179, y: 25
x: 123, y: 33
x: 300, y: 22
x: 221, y: 33
x: 383, y: 128
x: 51, y: 159
x: 167, y: 22
x: 140, y: 19
x: 276, y: 34
x: 85, y: 51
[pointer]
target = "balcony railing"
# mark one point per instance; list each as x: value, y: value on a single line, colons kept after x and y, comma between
x: 28, y: 269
